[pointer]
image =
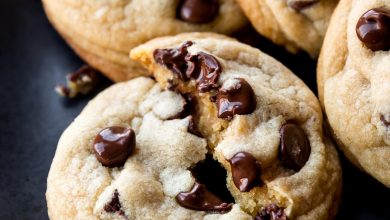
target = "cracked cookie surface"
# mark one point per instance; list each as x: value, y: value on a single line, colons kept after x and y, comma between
x: 257, y: 122
x: 353, y: 83
x: 103, y: 32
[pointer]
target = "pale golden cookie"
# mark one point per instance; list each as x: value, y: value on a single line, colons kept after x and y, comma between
x: 354, y: 83
x: 260, y: 126
x: 295, y: 24
x: 103, y: 32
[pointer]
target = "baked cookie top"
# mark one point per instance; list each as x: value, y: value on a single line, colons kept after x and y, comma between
x: 142, y: 149
x: 105, y: 31
x: 354, y: 83
x: 295, y: 24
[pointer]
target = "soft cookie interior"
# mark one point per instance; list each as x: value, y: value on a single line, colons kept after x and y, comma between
x: 200, y: 65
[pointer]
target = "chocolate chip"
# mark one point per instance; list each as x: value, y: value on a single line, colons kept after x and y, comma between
x: 200, y: 198
x: 240, y: 99
x: 205, y: 69
x: 385, y: 122
x: 373, y: 29
x: 198, y: 11
x: 174, y: 59
x: 114, y: 205
x: 271, y: 212
x: 83, y: 81
x: 193, y: 129
x: 299, y: 5
x: 113, y: 145
x: 294, y: 146
x: 213, y: 98
x: 245, y: 171
x: 202, y: 67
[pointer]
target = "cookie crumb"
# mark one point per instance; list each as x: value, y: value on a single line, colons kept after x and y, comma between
x: 83, y: 82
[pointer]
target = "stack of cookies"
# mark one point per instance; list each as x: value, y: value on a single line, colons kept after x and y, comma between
x: 202, y: 126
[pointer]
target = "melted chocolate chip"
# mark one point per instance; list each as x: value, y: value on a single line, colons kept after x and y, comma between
x: 198, y: 11
x: 271, y: 212
x: 114, y: 205
x: 294, y: 148
x: 205, y: 69
x: 300, y: 5
x: 373, y: 29
x: 113, y: 145
x: 237, y: 100
x: 174, y: 59
x: 385, y: 122
x: 200, y: 198
x: 245, y: 171
x: 202, y: 67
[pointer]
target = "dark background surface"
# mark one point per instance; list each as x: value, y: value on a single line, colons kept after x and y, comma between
x: 33, y: 59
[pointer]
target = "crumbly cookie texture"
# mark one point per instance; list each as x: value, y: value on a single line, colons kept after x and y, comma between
x: 353, y: 83
x: 295, y: 24
x: 257, y: 123
x: 103, y: 32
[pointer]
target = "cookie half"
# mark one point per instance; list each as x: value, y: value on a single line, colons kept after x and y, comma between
x: 103, y: 32
x: 353, y: 83
x: 295, y: 24
x: 223, y: 131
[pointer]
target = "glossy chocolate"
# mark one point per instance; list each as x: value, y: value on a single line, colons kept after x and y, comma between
x: 113, y: 145
x: 271, y: 212
x: 373, y: 29
x: 239, y: 100
x: 245, y: 171
x: 201, y: 199
x: 198, y: 11
x: 205, y: 69
x: 294, y: 146
x: 174, y: 59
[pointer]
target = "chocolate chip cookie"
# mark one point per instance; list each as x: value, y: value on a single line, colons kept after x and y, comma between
x: 295, y: 24
x: 353, y: 83
x: 222, y: 131
x: 103, y: 32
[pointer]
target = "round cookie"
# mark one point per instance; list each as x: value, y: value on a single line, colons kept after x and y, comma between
x: 242, y: 141
x: 295, y: 24
x: 103, y: 32
x: 353, y: 83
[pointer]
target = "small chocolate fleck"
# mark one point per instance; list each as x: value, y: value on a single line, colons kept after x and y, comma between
x: 213, y: 98
x: 246, y: 171
x: 239, y: 100
x: 373, y: 29
x: 171, y: 85
x: 205, y: 69
x: 174, y: 59
x: 113, y: 145
x: 294, y: 146
x: 271, y: 212
x: 201, y: 199
x: 83, y: 81
x: 385, y: 122
x: 114, y: 205
x: 198, y: 11
x: 299, y: 5
x: 193, y: 129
